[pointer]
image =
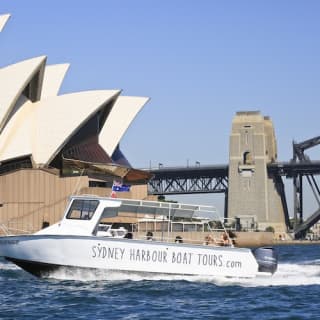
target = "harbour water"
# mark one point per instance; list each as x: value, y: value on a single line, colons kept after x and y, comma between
x: 292, y: 293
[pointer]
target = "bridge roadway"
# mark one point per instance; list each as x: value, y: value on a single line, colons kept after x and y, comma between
x: 214, y: 178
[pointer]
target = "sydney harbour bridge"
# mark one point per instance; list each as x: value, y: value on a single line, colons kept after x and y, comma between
x: 214, y: 179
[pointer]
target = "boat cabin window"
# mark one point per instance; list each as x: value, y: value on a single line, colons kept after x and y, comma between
x: 82, y: 209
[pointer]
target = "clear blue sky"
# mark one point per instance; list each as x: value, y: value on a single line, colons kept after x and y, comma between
x: 198, y: 61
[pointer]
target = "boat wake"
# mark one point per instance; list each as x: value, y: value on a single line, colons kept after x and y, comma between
x: 8, y: 266
x: 287, y: 275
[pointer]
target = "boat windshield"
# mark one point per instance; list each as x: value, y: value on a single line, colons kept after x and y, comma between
x: 82, y: 209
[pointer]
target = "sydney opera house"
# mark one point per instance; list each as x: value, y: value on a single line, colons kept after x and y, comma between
x: 52, y: 146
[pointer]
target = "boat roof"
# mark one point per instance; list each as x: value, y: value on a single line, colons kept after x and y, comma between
x: 168, y: 209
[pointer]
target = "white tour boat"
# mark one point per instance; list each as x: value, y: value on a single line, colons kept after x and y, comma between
x: 81, y: 240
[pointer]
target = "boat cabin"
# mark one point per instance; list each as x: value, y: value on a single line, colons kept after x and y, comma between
x: 89, y: 215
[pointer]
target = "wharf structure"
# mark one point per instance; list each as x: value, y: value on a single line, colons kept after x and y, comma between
x: 52, y: 145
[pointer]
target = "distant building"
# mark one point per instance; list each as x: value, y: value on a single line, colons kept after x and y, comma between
x: 54, y: 145
x: 314, y: 232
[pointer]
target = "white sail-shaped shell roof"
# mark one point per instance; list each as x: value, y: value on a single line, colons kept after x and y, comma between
x: 3, y: 20
x: 122, y: 114
x: 15, y: 138
x: 25, y: 76
x: 38, y: 125
x: 52, y: 80
x: 44, y: 127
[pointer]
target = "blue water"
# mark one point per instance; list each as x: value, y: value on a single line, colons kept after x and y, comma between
x: 292, y: 293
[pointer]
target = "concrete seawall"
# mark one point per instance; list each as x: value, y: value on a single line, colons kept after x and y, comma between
x: 295, y: 242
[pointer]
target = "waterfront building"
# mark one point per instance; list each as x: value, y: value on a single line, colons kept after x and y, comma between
x: 314, y: 233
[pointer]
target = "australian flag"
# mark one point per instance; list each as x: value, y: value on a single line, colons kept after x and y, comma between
x: 119, y: 187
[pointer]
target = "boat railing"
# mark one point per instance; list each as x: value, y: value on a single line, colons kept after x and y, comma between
x: 4, y: 229
x: 206, y: 241
x: 220, y: 231
x: 217, y: 236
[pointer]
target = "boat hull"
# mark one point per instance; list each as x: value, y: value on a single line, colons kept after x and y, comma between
x: 42, y: 254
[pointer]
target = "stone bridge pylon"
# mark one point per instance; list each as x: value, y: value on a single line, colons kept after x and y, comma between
x: 253, y: 196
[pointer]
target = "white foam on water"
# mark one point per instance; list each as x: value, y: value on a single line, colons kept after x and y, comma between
x: 286, y: 275
x: 8, y: 266
x: 107, y: 275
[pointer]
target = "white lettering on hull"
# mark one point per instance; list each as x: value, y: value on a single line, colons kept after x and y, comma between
x: 158, y: 256
x: 107, y: 252
x: 142, y: 255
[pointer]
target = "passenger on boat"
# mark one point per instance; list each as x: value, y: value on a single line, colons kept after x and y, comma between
x: 232, y: 237
x: 178, y: 239
x: 225, y: 241
x: 228, y: 238
x: 128, y: 235
x: 208, y: 240
x: 149, y: 235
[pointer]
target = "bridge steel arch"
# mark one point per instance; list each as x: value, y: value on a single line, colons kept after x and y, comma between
x: 187, y: 180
